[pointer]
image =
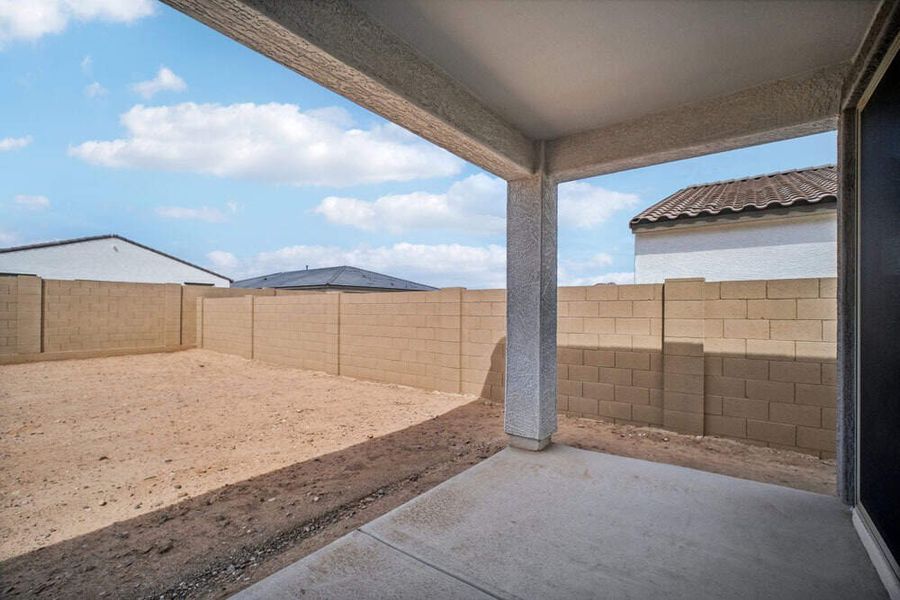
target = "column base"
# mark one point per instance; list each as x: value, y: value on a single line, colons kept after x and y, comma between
x: 527, y: 443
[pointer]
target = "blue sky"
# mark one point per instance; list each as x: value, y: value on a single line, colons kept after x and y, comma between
x: 125, y: 116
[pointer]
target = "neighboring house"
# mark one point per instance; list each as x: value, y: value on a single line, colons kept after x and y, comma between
x: 778, y: 226
x: 104, y: 258
x: 347, y: 279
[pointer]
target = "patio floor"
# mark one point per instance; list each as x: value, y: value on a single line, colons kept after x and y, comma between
x: 567, y: 523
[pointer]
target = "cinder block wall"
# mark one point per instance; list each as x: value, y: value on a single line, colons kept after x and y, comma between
x: 770, y: 353
x: 483, y: 347
x: 41, y: 319
x: 228, y: 325
x: 20, y: 314
x: 297, y: 330
x: 190, y: 293
x: 9, y: 326
x: 748, y: 360
x: 410, y: 338
x: 99, y: 315
x: 610, y: 352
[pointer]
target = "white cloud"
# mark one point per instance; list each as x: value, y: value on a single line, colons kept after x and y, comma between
x: 11, y: 143
x: 8, y: 238
x: 597, y: 261
x: 618, y: 277
x: 232, y: 206
x: 600, y: 260
x: 87, y: 65
x: 431, y: 264
x: 165, y: 81
x: 222, y: 260
x: 33, y: 19
x: 583, y: 206
x: 32, y: 202
x: 475, y: 204
x: 94, y: 90
x: 204, y: 213
x: 276, y: 143
x: 591, y: 271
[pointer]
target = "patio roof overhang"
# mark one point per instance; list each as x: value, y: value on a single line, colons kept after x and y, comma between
x: 607, y: 85
x: 543, y: 92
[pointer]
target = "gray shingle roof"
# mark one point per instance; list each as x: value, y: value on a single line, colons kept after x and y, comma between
x: 814, y: 185
x: 332, y: 277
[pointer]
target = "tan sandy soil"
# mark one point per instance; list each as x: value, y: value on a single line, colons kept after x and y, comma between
x: 84, y: 443
x: 209, y: 545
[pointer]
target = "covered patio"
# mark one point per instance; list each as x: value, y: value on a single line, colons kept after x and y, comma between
x: 541, y: 93
x: 567, y: 523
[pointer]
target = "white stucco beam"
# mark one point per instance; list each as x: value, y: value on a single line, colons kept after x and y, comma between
x: 342, y: 48
x: 770, y: 112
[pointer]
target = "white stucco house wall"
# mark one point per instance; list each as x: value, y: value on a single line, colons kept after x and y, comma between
x: 777, y: 226
x: 104, y: 258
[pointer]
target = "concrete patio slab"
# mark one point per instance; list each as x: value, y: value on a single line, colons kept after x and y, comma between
x: 358, y: 566
x: 567, y: 523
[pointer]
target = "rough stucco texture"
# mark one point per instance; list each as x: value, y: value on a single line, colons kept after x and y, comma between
x: 531, y: 317
x: 753, y: 249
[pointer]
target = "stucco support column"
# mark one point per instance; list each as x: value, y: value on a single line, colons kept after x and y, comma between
x: 530, y: 387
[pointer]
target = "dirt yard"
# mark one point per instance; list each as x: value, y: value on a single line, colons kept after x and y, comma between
x: 193, y: 474
x: 90, y: 442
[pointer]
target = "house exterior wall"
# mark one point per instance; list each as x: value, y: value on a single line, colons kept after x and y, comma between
x: 783, y: 248
x: 110, y: 259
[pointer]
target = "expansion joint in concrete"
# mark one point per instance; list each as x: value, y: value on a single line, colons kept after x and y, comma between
x: 466, y: 581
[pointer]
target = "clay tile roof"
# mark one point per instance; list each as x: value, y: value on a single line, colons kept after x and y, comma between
x: 813, y: 185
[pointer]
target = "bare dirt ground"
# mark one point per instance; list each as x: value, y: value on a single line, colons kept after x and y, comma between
x: 89, y: 442
x: 191, y: 475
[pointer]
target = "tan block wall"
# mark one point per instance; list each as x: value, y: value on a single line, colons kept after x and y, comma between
x: 770, y: 354
x: 227, y: 325
x: 41, y: 319
x: 99, y: 315
x: 20, y: 314
x: 9, y: 324
x: 190, y: 294
x: 752, y: 360
x: 410, y: 338
x: 683, y: 338
x: 297, y: 330
x: 610, y: 352
x: 483, y: 345
x: 749, y: 360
